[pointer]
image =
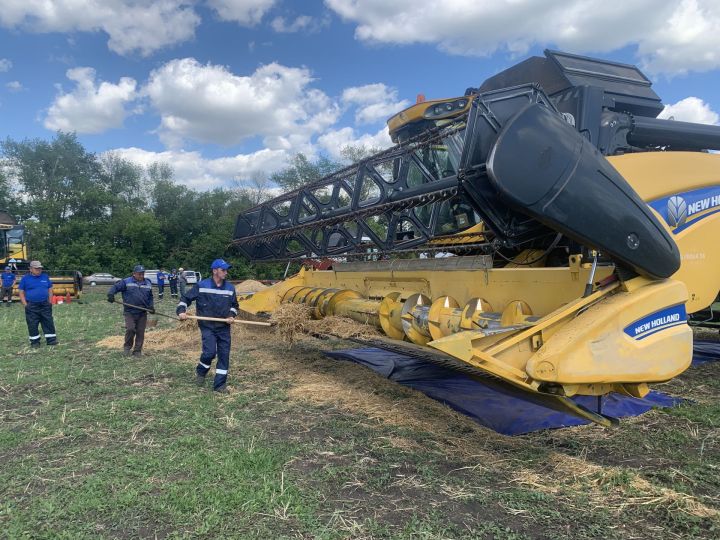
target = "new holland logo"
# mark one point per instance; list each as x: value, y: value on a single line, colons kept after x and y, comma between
x: 656, y: 322
x: 677, y: 211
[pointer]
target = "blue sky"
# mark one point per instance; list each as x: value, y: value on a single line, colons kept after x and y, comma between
x: 229, y: 89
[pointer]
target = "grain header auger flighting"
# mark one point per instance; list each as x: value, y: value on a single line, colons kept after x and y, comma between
x: 583, y: 228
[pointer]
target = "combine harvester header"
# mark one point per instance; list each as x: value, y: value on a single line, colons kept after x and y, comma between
x: 583, y: 230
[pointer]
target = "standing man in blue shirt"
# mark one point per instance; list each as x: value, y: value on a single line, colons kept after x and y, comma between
x: 161, y: 275
x: 136, y: 290
x: 8, y: 280
x: 214, y: 297
x: 35, y: 291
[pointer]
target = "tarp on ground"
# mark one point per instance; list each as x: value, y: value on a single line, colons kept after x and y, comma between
x: 706, y: 351
x: 490, y: 407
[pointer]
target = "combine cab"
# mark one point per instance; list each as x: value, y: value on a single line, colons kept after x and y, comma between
x: 14, y: 253
x: 577, y: 232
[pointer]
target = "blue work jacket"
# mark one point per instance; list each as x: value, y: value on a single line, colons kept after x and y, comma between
x: 137, y: 293
x: 211, y: 301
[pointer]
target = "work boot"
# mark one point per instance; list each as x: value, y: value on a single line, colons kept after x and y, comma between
x: 199, y: 380
x: 127, y: 352
x: 137, y: 353
x: 51, y: 343
x: 222, y: 390
x: 35, y: 345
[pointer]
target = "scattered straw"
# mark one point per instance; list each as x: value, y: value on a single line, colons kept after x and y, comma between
x: 290, y: 320
x: 344, y: 328
x: 184, y: 336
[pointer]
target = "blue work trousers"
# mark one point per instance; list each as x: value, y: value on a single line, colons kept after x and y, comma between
x: 215, y: 342
x: 40, y: 314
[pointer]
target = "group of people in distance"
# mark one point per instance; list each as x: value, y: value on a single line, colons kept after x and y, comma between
x: 174, y: 278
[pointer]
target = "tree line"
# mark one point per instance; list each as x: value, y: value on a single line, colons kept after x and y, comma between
x: 105, y: 213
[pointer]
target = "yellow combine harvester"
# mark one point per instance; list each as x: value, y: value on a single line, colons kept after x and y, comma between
x: 577, y: 232
x: 14, y: 253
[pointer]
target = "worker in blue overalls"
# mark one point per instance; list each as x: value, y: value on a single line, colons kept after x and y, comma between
x: 161, y: 275
x: 8, y: 280
x: 214, y: 297
x: 35, y: 290
x: 137, y: 295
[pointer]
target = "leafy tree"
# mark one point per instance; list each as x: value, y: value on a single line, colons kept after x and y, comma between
x: 302, y: 171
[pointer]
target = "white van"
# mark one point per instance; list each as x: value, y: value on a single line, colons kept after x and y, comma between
x: 152, y: 276
x: 192, y: 276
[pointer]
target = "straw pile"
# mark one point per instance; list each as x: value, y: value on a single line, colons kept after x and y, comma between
x: 291, y: 320
x: 294, y: 319
x: 249, y: 286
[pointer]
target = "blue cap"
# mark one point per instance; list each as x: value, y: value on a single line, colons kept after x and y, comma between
x: 219, y: 263
x: 139, y: 268
x: 8, y: 268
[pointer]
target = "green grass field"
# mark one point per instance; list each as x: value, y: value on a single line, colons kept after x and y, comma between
x: 97, y: 445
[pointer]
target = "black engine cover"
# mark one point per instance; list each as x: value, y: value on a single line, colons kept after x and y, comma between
x: 544, y: 168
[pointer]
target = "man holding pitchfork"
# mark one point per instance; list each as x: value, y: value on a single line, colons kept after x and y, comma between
x: 137, y: 291
x: 214, y: 297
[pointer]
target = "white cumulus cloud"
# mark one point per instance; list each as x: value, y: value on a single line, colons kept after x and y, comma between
x: 193, y: 170
x: 5, y: 65
x: 90, y: 107
x: 14, y: 86
x: 690, y: 109
x: 374, y: 102
x: 669, y: 37
x: 333, y: 141
x: 131, y: 25
x: 302, y: 23
x: 245, y: 12
x: 209, y: 104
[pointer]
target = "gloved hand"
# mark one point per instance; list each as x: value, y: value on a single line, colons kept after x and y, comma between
x: 111, y: 298
x: 151, y: 311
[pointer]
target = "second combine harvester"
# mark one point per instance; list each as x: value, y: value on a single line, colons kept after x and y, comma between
x: 584, y: 231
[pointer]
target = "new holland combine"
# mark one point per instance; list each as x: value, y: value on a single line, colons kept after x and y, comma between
x: 545, y: 232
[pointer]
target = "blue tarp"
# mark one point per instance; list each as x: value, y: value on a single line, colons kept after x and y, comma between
x: 491, y: 407
x: 706, y: 351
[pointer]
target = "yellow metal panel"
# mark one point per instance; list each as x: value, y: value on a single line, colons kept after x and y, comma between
x: 655, y: 175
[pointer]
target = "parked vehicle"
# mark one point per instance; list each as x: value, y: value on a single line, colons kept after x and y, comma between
x: 152, y: 276
x: 100, y: 278
x: 192, y: 276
